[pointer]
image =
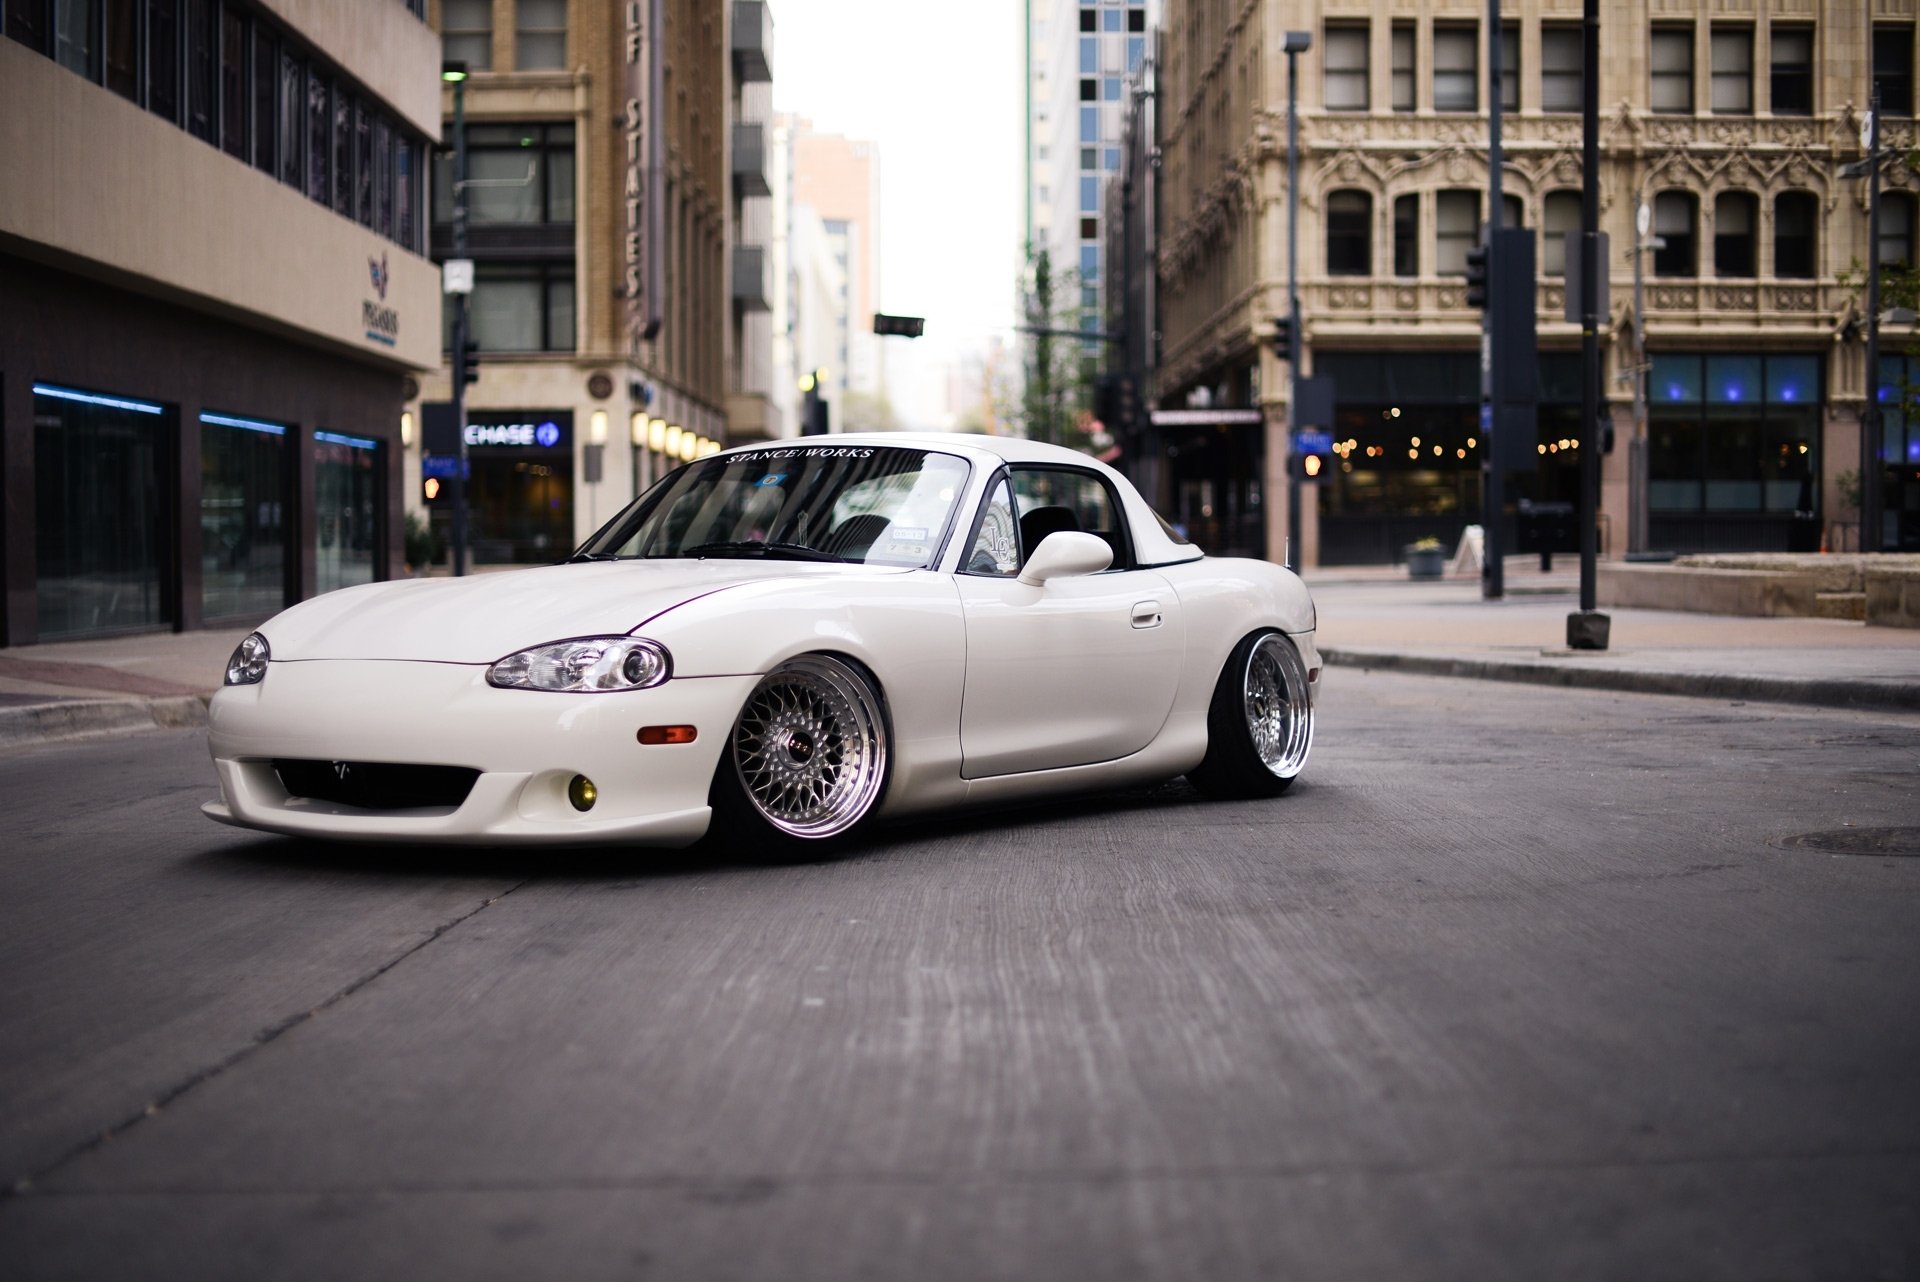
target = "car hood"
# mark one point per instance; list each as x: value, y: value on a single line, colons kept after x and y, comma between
x: 483, y: 617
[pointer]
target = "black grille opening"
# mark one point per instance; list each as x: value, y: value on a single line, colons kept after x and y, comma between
x: 376, y: 785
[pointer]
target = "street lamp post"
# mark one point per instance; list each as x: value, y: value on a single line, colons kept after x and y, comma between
x: 455, y: 74
x: 1295, y: 44
x: 1871, y: 467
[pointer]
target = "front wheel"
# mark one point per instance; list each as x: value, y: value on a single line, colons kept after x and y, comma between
x: 1260, y: 723
x: 806, y: 764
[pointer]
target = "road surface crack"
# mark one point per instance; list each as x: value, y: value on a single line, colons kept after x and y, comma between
x: 25, y: 1185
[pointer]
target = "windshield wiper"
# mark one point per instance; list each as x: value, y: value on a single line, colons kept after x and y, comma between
x: 751, y: 547
x: 594, y: 556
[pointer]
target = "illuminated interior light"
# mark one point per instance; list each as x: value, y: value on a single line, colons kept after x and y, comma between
x: 406, y: 427
x: 657, y: 435
x: 597, y: 428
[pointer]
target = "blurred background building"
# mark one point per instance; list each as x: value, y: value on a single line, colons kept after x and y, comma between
x: 1730, y: 128
x: 213, y: 290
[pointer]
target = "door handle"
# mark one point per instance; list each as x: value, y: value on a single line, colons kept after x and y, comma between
x: 1146, y: 614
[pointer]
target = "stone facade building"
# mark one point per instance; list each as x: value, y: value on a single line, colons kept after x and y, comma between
x: 619, y: 222
x: 1730, y: 123
x: 213, y: 289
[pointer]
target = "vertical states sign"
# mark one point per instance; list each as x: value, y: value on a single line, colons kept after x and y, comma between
x: 645, y: 187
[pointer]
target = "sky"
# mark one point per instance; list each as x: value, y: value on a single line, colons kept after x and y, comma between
x: 938, y: 87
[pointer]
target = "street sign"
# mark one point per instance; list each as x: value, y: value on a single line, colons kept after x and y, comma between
x: 1312, y: 441
x: 456, y: 276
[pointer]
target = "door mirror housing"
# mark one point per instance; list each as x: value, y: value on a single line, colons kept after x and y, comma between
x: 1063, y: 553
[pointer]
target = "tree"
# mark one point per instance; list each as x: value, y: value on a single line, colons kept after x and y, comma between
x: 1055, y: 404
x: 868, y: 412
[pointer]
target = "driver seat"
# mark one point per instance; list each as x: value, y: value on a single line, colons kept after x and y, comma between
x: 1039, y: 522
x: 854, y: 537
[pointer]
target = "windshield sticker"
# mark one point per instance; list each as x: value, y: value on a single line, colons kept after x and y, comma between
x: 808, y: 451
x: 772, y: 478
x: 908, y: 534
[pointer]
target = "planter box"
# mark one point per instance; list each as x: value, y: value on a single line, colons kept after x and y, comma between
x: 1425, y: 563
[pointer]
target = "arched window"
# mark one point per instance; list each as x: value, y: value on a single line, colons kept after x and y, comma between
x: 1456, y: 229
x: 1349, y: 234
x: 1406, y: 235
x: 1795, y: 241
x: 1734, y: 254
x: 1513, y: 212
x: 1560, y: 214
x: 1674, y: 214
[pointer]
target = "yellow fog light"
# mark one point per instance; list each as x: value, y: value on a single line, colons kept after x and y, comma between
x: 582, y: 793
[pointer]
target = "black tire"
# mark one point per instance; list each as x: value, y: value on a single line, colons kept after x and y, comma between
x: 806, y: 764
x: 1260, y: 723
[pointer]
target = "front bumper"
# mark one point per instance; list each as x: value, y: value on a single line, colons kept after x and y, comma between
x: 526, y: 745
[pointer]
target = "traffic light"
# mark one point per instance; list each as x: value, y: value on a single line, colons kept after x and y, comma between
x: 1106, y: 401
x: 899, y: 326
x: 1283, y: 337
x: 429, y: 489
x: 468, y: 360
x: 1312, y: 454
x: 813, y: 415
x: 1477, y: 276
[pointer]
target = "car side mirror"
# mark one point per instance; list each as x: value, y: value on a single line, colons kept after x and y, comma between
x: 1066, y: 552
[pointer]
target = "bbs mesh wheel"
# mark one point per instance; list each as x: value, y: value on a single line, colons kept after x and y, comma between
x: 807, y: 761
x: 1260, y: 724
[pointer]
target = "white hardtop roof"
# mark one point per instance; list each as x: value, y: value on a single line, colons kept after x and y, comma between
x: 1150, y: 541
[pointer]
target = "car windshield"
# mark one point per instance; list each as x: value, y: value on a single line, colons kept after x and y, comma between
x: 865, y: 504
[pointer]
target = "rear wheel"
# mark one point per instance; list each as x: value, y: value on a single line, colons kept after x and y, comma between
x: 806, y: 764
x: 1260, y: 723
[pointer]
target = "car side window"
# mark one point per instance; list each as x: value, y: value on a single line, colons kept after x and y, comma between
x: 1050, y: 499
x: 996, y: 548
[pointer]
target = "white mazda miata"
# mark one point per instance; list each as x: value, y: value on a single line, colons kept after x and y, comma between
x: 782, y: 643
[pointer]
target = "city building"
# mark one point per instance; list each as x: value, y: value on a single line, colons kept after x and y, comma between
x: 618, y: 224
x: 1730, y: 126
x: 1079, y: 56
x: 213, y: 289
x: 838, y: 180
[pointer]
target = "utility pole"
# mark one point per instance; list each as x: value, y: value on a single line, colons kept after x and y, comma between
x: 1638, y: 535
x: 1872, y: 536
x: 1296, y: 43
x: 1493, y: 584
x: 455, y: 73
x: 1587, y: 629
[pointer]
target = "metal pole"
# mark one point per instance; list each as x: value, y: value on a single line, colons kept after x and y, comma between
x: 1493, y: 582
x: 1292, y: 559
x: 1872, y: 537
x: 1590, y: 400
x: 1637, y: 534
x: 460, y: 323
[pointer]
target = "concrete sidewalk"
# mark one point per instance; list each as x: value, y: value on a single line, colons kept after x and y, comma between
x: 1371, y: 617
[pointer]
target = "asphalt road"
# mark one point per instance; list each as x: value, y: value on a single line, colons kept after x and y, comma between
x: 1519, y: 983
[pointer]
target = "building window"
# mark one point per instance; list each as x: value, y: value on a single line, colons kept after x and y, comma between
x: 1733, y: 244
x: 1349, y: 234
x: 1790, y: 71
x: 521, y: 307
x: 76, y: 35
x: 1513, y: 211
x: 1673, y: 219
x: 1896, y: 228
x: 342, y: 152
x: 1089, y: 89
x: 243, y: 517
x: 200, y: 60
x: 265, y: 60
x: 233, y: 83
x: 1672, y: 65
x: 1089, y: 20
x: 1089, y: 195
x: 163, y: 58
x: 1089, y: 55
x: 1733, y: 433
x: 1110, y: 89
x: 1456, y: 68
x: 1509, y: 67
x: 1089, y: 264
x: 1456, y: 230
x: 1560, y: 214
x: 1893, y: 68
x: 466, y: 33
x: 1089, y: 229
x: 1406, y: 235
x: 1795, y: 237
x: 1405, y: 56
x: 506, y: 157
x: 540, y: 35
x: 293, y: 116
x: 100, y: 512
x: 1561, y: 63
x: 1733, y: 71
x: 319, y: 137
x: 346, y: 509
x: 1089, y: 124
x: 1345, y: 67
x: 1136, y: 19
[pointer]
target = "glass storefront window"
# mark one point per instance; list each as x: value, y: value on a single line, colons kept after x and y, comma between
x: 100, y: 519
x: 1734, y: 434
x: 243, y: 513
x: 346, y: 509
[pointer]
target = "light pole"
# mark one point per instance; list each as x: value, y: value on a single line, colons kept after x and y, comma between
x: 1295, y: 44
x: 1871, y: 468
x: 455, y: 74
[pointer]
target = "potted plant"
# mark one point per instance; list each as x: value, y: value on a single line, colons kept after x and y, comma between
x: 1426, y: 558
x: 423, y: 544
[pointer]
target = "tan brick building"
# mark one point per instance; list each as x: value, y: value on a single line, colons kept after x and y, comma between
x: 618, y: 225
x: 1730, y: 123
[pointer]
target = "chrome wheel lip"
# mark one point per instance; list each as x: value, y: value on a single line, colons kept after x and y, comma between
x: 1278, y: 705
x: 810, y: 748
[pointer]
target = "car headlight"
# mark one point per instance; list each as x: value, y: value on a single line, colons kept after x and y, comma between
x: 587, y: 665
x: 248, y: 666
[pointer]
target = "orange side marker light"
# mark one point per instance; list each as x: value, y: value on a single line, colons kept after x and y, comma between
x: 653, y: 736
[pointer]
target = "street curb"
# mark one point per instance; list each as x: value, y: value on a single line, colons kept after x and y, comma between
x: 93, y: 718
x: 1826, y: 692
